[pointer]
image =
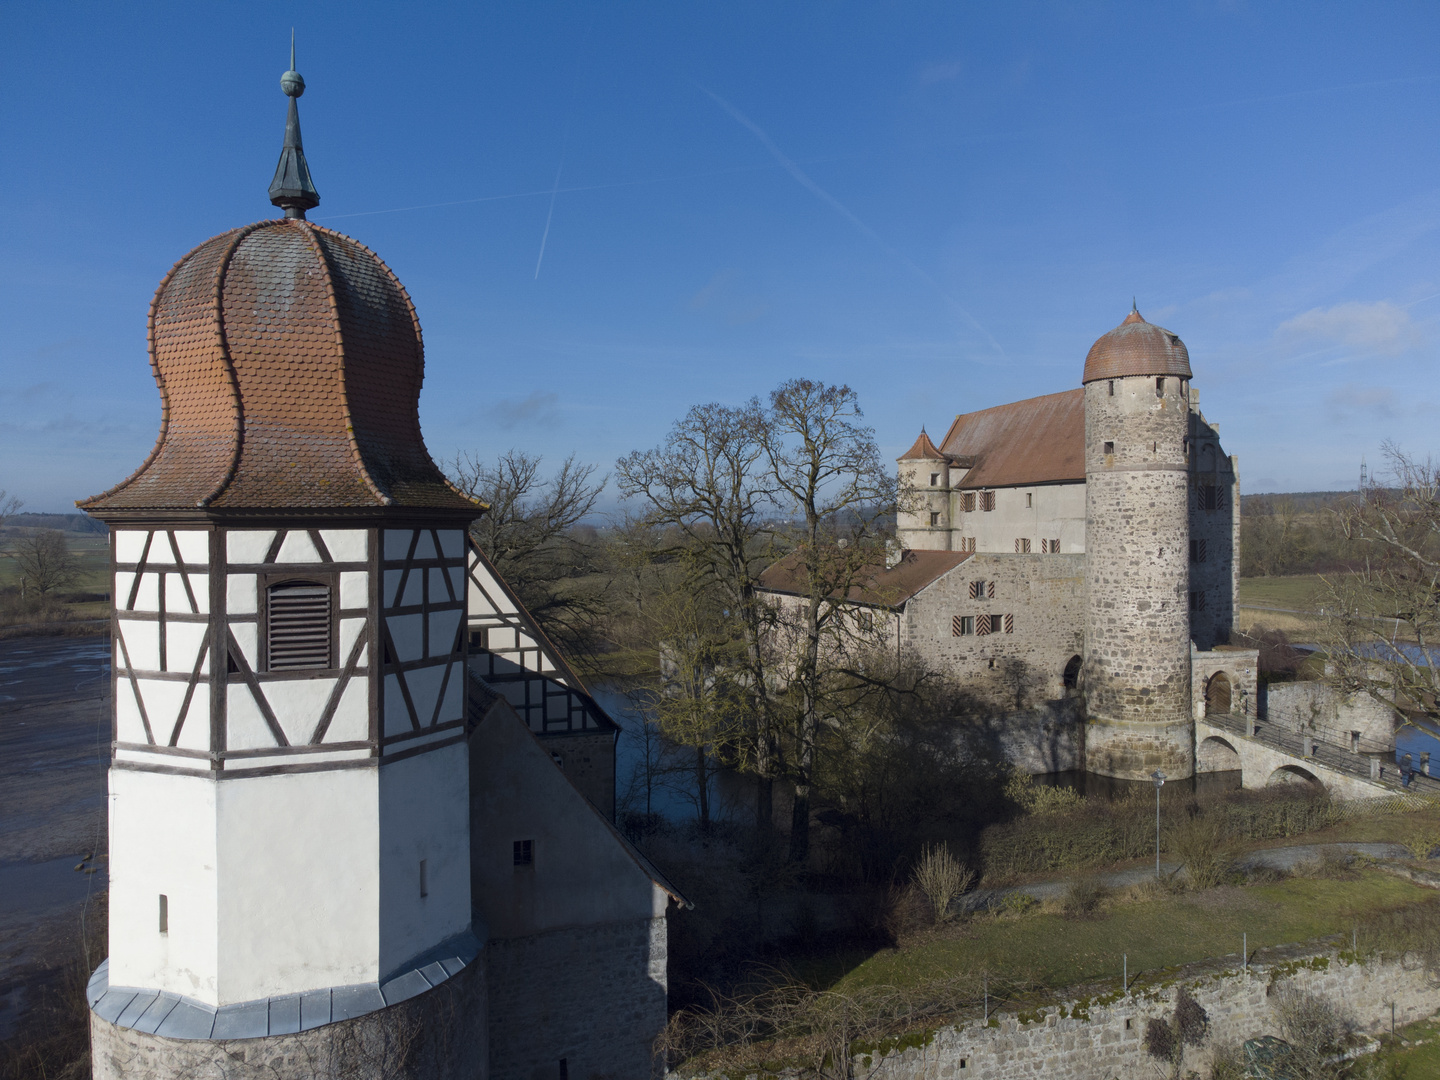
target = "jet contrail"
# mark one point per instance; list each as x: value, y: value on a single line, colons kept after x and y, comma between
x: 554, y: 191
x: 840, y: 208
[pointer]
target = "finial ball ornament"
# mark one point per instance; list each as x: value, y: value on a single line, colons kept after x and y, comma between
x: 292, y: 83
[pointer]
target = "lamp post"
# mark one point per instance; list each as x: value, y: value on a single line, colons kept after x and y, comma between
x: 1159, y: 778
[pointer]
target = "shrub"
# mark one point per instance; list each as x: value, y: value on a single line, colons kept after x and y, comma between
x: 1016, y: 903
x: 1041, y: 799
x: 1167, y: 1039
x: 1420, y: 834
x: 1315, y: 1030
x: 1205, y: 846
x: 1082, y: 898
x: 941, y: 879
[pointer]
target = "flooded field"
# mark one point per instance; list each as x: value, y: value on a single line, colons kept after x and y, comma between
x: 54, y: 750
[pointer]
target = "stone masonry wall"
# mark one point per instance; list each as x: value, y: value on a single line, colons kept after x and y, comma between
x: 1216, y: 575
x: 1097, y: 1039
x: 1137, y: 630
x: 599, y: 992
x: 1045, y: 595
x: 439, y: 1035
x: 1324, y: 713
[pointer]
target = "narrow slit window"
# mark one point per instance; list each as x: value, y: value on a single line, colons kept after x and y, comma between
x: 164, y: 914
x: 1029, y: 500
x: 297, y: 626
x: 1160, y: 387
x: 424, y: 879
x: 1112, y: 387
x: 934, y: 518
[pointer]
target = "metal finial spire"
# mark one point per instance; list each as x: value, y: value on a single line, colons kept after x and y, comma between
x: 1133, y: 306
x: 292, y: 189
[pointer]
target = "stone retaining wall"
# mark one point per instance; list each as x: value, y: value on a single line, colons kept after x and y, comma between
x: 1101, y: 1038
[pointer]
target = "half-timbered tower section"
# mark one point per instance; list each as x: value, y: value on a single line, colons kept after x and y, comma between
x: 510, y: 652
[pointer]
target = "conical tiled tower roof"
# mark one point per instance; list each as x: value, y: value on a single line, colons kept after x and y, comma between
x: 923, y: 450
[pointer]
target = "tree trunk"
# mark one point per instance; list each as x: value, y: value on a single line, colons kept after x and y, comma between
x: 702, y: 786
x: 800, y: 824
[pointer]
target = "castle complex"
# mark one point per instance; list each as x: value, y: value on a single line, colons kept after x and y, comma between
x: 359, y: 814
x: 1078, y: 548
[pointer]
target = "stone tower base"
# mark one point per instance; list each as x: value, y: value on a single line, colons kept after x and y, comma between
x: 438, y: 1035
x: 1132, y: 751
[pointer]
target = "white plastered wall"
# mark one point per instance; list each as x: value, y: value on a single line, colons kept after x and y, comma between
x: 162, y: 840
x: 424, y: 814
x: 582, y: 873
x: 299, y: 882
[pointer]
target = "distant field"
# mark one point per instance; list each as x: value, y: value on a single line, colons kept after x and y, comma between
x: 1296, y: 593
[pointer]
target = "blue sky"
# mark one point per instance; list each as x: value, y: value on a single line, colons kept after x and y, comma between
x: 942, y: 205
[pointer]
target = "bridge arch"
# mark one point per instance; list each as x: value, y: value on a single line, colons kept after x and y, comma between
x: 1215, y: 754
x: 1217, y: 695
x: 1293, y: 774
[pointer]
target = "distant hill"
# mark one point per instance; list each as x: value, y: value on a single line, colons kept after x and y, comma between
x: 1305, y: 502
x: 74, y: 523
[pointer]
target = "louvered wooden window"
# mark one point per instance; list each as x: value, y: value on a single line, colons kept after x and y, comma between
x: 967, y: 502
x: 987, y: 500
x: 297, y: 625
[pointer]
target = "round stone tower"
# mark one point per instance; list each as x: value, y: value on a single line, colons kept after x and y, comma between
x: 1137, y: 532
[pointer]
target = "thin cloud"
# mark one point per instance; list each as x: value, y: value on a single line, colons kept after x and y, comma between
x: 804, y: 180
x: 1372, y: 402
x: 931, y: 74
x: 1379, y: 328
x: 537, y: 407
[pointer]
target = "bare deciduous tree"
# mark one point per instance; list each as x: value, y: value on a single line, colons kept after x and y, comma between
x: 707, y: 482
x: 46, y: 562
x: 9, y: 506
x: 1382, y: 623
x: 530, y: 534
x: 828, y: 478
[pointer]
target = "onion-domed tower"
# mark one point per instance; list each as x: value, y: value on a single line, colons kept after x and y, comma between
x: 289, y: 799
x: 1137, y: 532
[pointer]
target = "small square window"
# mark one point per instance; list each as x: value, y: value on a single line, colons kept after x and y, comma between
x: 934, y: 518
x: 934, y: 479
x: 524, y: 852
x: 1109, y: 448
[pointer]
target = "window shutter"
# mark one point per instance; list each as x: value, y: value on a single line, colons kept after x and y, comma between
x: 990, y: 589
x: 1009, y: 624
x: 975, y: 587
x: 982, y: 625
x: 1201, y: 550
x: 957, y: 626
x: 297, y: 626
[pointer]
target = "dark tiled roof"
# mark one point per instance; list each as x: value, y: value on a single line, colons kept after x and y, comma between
x: 923, y: 450
x: 1037, y: 441
x: 1137, y: 347
x: 874, y: 584
x: 289, y: 362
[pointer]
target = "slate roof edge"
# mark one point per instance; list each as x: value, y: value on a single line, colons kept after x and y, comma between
x: 175, y: 1016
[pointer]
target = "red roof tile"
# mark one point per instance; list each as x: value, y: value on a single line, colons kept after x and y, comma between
x: 874, y: 584
x: 1037, y: 441
x: 923, y: 450
x: 289, y: 361
x: 1137, y: 347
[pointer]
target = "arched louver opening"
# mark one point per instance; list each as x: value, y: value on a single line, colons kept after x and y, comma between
x: 297, y: 626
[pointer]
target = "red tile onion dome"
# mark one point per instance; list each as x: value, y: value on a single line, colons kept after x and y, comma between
x: 1136, y: 347
x: 289, y: 361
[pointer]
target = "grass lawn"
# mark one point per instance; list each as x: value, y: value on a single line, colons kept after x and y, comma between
x: 1415, y: 1062
x: 1160, y: 933
x: 1296, y: 593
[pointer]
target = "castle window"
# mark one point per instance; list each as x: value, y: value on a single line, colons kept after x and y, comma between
x: 1160, y: 387
x: 1022, y: 545
x: 934, y: 518
x: 1197, y: 601
x: 1199, y: 549
x: 164, y: 914
x: 934, y: 479
x: 1109, y: 448
x: 1112, y: 387
x: 967, y: 502
x: 424, y: 880
x: 987, y: 500
x: 524, y: 852
x: 1050, y: 547
x: 981, y: 589
x: 967, y: 543
x: 962, y: 626
x: 1209, y: 497
x: 1029, y: 499
x: 298, y: 625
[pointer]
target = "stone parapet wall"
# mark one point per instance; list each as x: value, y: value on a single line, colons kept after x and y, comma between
x: 598, y: 992
x: 1330, y: 716
x: 439, y: 1035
